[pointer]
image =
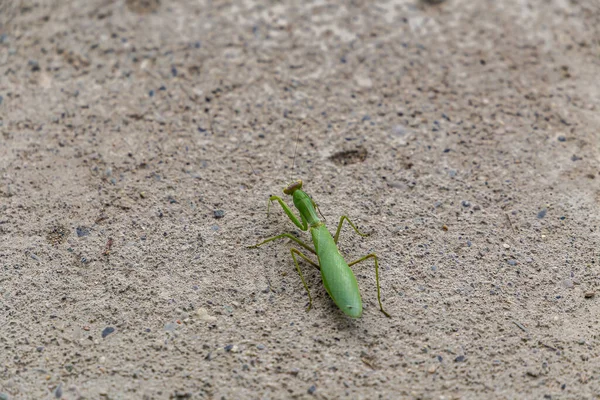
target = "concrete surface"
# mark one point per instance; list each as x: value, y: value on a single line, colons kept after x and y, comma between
x: 141, y: 140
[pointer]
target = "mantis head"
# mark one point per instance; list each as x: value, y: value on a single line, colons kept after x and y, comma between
x: 293, y: 187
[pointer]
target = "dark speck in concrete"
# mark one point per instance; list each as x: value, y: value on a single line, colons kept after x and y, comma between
x: 542, y: 213
x: 107, y: 331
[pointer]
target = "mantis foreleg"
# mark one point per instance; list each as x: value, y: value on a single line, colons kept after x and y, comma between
x: 302, y: 225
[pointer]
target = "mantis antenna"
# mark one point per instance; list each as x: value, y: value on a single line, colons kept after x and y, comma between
x: 294, y: 159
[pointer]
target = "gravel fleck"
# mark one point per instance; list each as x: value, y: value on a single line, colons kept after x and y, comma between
x: 218, y: 214
x: 82, y: 231
x: 58, y: 391
x: 107, y: 331
x: 542, y: 213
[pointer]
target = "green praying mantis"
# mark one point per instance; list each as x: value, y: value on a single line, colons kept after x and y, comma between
x: 338, y: 279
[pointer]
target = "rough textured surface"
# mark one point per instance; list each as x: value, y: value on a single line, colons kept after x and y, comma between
x: 141, y: 139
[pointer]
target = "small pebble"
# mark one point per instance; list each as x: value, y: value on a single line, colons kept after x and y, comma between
x: 228, y: 347
x: 432, y: 369
x: 40, y: 349
x: 312, y: 389
x: 260, y: 346
x: 465, y: 203
x: 170, y: 327
x: 589, y: 295
x: 202, y: 314
x: 459, y: 359
x: 399, y: 130
x: 58, y: 392
x: 542, y: 213
x: 35, y: 66
x: 151, y: 93
x: 568, y: 283
x: 82, y: 231
x: 562, y: 139
x: 1, y: 98
x: 506, y: 245
x: 512, y: 262
x: 398, y: 185
x: 107, y: 331
x: 218, y: 214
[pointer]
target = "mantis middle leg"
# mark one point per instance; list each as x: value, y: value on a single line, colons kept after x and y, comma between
x: 339, y: 228
x: 284, y: 235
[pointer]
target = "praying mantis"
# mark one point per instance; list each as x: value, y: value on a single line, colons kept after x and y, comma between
x: 338, y: 279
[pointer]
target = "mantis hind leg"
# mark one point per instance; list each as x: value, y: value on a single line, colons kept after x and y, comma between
x: 339, y: 228
x: 294, y: 252
x: 374, y: 257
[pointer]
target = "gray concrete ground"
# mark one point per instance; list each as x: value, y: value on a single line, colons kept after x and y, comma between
x: 141, y: 140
